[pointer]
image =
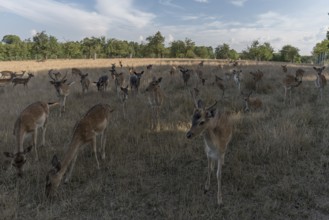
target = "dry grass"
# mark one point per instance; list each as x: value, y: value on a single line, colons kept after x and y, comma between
x: 275, y: 167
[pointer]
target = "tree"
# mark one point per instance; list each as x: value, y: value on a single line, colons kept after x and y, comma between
x: 156, y: 44
x: 289, y: 53
x: 72, y: 49
x: 222, y: 51
x: 11, y: 39
x: 41, y: 44
x: 259, y: 51
x: 177, y: 49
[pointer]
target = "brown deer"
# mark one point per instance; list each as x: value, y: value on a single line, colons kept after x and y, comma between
x: 30, y: 119
x: 84, y: 80
x: 155, y: 98
x: 62, y: 89
x: 23, y: 81
x: 7, y: 73
x: 6, y: 81
x: 93, y: 123
x: 118, y: 80
x: 257, y: 77
x: 217, y: 129
x: 290, y: 82
x: 201, y: 63
x: 123, y: 95
x: 253, y: 103
x: 321, y: 80
x: 284, y: 68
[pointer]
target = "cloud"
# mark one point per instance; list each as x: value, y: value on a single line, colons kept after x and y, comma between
x: 108, y: 15
x: 238, y: 3
x: 169, y: 3
x: 202, y: 1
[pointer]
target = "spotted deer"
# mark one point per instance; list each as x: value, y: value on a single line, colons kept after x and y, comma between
x: 289, y: 82
x: 93, y: 123
x: 22, y: 81
x: 251, y: 103
x: 216, y: 128
x: 84, y: 80
x: 135, y: 79
x: 30, y: 119
x: 155, y: 98
x: 62, y: 89
x: 321, y: 80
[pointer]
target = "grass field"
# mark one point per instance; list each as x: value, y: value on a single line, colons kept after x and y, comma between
x: 276, y: 166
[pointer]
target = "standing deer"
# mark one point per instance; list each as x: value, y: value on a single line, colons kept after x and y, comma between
x: 93, y: 123
x: 22, y: 81
x: 30, y: 119
x: 186, y: 75
x: 102, y: 83
x: 62, y: 89
x: 84, y: 80
x: 217, y: 129
x: 284, y: 68
x: 123, y: 95
x: 321, y: 80
x: 118, y: 80
x: 155, y: 98
x: 7, y: 73
x: 257, y: 76
x: 290, y: 82
x: 135, y: 81
x: 236, y: 78
x: 6, y: 81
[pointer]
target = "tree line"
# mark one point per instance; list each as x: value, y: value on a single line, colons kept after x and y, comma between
x: 43, y: 46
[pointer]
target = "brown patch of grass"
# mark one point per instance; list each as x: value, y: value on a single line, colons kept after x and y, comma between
x: 276, y: 165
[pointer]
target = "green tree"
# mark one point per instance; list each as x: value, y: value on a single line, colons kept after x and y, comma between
x: 156, y: 44
x: 11, y: 39
x: 177, y: 49
x: 72, y: 49
x: 41, y: 44
x: 289, y: 53
x: 257, y: 51
x: 222, y: 51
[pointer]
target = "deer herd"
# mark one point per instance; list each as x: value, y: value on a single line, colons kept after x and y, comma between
x: 214, y: 125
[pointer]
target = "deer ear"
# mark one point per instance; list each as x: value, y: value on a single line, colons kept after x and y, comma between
x: 7, y: 154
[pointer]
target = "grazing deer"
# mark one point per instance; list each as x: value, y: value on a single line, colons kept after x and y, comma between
x: 254, y: 103
x: 321, y: 80
x: 236, y: 78
x: 218, y: 82
x: 186, y: 75
x: 7, y: 73
x: 135, y: 79
x: 123, y: 95
x: 257, y: 76
x: 22, y: 81
x: 93, y: 123
x: 6, y: 81
x: 30, y: 119
x: 217, y: 130
x: 284, y: 68
x: 102, y: 83
x: 155, y: 98
x: 62, y: 89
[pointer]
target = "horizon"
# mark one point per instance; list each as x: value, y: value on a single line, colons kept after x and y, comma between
x: 235, y: 22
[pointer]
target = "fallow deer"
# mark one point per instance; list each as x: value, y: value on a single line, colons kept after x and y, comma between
x: 135, y: 81
x: 20, y: 75
x: 173, y: 71
x: 7, y: 73
x: 118, y: 80
x: 93, y: 123
x: 6, y: 81
x: 321, y: 80
x: 217, y: 129
x: 123, y: 95
x: 200, y: 76
x: 120, y: 63
x: 84, y: 80
x: 186, y: 75
x: 155, y: 98
x: 257, y: 77
x: 30, y: 119
x: 236, y: 78
x: 62, y: 89
x: 23, y: 81
x: 201, y: 63
x: 290, y: 82
x: 102, y: 83
x: 284, y: 68
x: 251, y: 103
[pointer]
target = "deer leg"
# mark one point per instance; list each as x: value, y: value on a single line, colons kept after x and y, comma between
x: 103, y: 142
x: 44, y: 128
x: 95, y: 150
x: 34, y: 137
x: 210, y: 169
x: 69, y: 172
x: 219, y: 179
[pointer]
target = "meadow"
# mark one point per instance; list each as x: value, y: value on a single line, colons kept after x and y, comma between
x: 275, y: 166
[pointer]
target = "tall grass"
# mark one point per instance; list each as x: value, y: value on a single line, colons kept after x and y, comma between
x: 276, y: 165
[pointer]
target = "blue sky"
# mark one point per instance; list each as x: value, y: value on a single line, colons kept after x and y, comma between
x: 300, y: 23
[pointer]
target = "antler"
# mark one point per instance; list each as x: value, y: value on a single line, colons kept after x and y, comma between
x: 194, y: 99
x: 50, y: 74
x: 64, y: 77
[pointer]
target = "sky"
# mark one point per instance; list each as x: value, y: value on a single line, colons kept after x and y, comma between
x: 300, y: 23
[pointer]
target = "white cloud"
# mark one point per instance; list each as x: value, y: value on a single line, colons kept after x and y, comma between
x: 169, y: 3
x: 202, y: 1
x: 239, y: 3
